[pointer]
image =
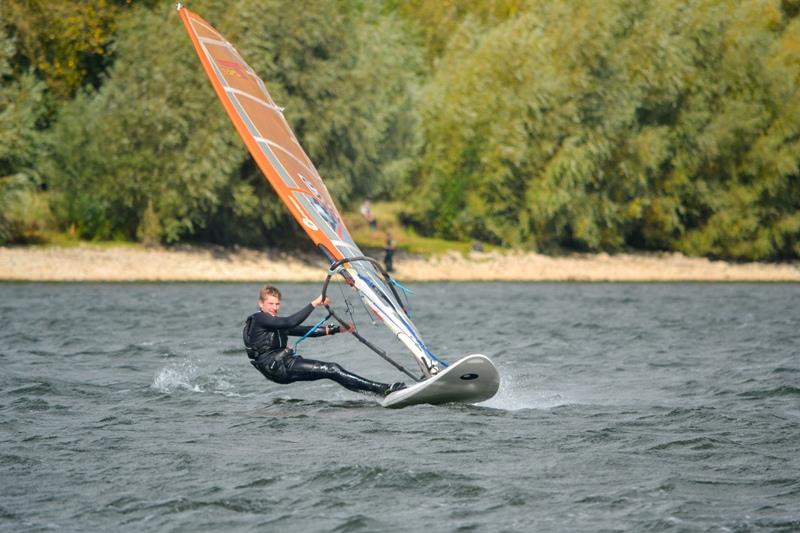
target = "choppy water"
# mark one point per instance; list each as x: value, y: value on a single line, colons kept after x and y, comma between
x: 645, y: 407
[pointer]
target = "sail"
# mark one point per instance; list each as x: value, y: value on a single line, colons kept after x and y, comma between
x: 266, y: 133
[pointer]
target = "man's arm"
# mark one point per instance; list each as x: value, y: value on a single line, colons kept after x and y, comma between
x: 284, y: 322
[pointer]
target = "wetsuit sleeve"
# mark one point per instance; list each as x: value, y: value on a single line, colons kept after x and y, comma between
x: 283, y: 322
x: 299, y: 331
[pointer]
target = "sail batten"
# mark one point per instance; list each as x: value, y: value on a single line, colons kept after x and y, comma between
x: 249, y: 96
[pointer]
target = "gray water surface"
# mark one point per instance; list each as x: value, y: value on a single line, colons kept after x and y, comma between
x: 641, y: 407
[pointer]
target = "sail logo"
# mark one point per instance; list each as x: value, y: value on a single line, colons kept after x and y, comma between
x: 323, y: 213
x: 319, y: 205
x: 231, y: 68
x: 309, y: 185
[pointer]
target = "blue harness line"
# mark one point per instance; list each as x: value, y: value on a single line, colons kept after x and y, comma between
x: 309, y: 332
x: 408, y: 301
x: 440, y: 361
x: 400, y: 285
x: 405, y: 290
x: 409, y: 328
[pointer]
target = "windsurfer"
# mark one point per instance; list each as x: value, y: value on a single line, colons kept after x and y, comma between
x: 266, y: 337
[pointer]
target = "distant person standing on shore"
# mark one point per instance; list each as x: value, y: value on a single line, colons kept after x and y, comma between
x: 366, y: 212
x: 388, y: 257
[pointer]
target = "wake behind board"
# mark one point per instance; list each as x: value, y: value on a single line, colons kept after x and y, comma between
x: 472, y: 379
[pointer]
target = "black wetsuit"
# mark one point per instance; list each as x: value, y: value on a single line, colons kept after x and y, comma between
x: 266, y: 338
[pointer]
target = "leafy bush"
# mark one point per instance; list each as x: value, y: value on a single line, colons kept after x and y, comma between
x: 652, y: 125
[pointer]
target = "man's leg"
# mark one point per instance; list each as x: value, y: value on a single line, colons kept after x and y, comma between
x: 301, y: 369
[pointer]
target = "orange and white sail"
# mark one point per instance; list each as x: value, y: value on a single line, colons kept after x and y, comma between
x: 270, y: 140
x: 273, y: 145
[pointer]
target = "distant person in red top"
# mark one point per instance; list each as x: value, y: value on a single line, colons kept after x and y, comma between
x: 266, y: 337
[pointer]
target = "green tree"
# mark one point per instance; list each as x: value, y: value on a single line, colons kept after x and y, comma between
x: 438, y: 20
x: 345, y: 74
x: 66, y: 43
x: 152, y: 151
x: 139, y: 143
x: 749, y: 207
x: 21, y: 106
x: 656, y: 125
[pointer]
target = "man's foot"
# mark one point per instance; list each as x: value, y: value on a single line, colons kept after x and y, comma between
x: 394, y: 387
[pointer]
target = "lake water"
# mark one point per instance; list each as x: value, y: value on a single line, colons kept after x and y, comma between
x: 622, y: 407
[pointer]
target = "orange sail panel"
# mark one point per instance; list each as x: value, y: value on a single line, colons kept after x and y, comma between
x: 270, y: 140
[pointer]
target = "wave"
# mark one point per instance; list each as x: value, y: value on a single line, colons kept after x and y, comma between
x: 366, y: 478
x: 187, y: 375
x: 696, y: 443
x: 38, y: 388
x: 783, y: 390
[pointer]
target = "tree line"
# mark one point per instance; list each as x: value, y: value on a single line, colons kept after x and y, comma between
x: 551, y: 126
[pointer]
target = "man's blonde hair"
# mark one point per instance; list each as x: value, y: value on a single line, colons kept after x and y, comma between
x: 269, y: 290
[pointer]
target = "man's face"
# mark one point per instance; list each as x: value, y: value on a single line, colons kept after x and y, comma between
x: 271, y: 305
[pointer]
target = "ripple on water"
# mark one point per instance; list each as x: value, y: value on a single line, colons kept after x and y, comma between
x: 781, y: 391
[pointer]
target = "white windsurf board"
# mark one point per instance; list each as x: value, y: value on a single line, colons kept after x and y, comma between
x: 471, y: 379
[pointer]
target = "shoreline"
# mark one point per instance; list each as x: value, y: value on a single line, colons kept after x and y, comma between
x: 86, y: 262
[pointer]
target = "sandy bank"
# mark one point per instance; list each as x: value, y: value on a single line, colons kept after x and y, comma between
x: 93, y: 263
